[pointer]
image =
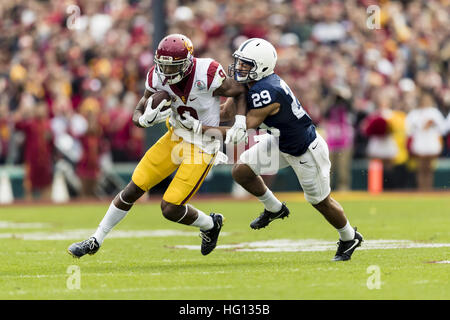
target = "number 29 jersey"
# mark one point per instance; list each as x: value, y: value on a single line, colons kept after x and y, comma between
x: 197, y: 98
x: 296, y: 128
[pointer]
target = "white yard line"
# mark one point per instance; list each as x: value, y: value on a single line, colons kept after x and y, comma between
x: 113, y: 274
x: 85, y: 233
x: 110, y: 290
x: 23, y: 225
x: 289, y: 245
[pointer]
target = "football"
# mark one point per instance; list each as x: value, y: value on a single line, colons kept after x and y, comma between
x: 160, y: 96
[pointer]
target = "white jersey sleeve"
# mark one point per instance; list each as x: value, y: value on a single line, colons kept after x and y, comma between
x: 149, y: 80
x: 215, y: 75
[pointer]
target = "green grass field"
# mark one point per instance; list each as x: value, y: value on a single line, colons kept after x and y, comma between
x: 142, y: 261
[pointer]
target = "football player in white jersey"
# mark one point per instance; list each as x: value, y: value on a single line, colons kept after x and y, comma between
x: 194, y: 86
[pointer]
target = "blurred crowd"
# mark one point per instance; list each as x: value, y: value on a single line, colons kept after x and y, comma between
x: 376, y: 82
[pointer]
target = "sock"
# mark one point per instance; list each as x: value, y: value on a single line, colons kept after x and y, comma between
x: 204, y: 222
x: 112, y: 217
x: 271, y: 203
x: 346, y: 233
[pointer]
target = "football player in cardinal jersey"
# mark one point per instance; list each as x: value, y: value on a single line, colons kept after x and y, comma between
x: 293, y: 142
x: 195, y: 86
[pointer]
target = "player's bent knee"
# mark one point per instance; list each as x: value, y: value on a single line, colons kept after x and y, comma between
x: 241, y: 173
x: 318, y: 201
x: 172, y: 212
x: 327, y: 203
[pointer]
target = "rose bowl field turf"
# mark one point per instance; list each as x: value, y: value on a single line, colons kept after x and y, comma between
x: 406, y: 253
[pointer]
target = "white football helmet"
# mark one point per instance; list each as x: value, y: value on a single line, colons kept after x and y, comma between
x: 260, y: 54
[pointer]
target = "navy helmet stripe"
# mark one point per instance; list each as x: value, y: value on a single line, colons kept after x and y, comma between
x: 246, y: 43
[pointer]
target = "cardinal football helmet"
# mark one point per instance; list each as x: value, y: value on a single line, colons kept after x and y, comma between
x: 174, y: 58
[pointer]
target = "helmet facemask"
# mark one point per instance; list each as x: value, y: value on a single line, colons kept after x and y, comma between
x: 172, y: 71
x: 243, y: 70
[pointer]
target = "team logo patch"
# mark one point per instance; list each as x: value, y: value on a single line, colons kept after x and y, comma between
x: 189, y: 46
x: 200, y: 85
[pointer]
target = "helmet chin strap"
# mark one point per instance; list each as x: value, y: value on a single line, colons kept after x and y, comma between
x: 178, y: 78
x: 241, y: 79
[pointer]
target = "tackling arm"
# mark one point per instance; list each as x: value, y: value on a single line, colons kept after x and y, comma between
x: 227, y: 110
x: 237, y: 96
x: 237, y: 93
x: 257, y: 116
x: 237, y: 103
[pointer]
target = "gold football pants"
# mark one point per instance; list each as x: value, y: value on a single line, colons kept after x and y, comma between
x: 168, y: 154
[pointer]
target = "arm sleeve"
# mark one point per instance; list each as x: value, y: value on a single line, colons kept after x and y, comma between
x: 149, y: 85
x: 258, y: 98
x: 215, y: 75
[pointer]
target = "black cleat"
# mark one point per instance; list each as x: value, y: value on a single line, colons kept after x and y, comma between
x: 79, y: 249
x: 346, y: 248
x: 267, y: 217
x: 209, y: 237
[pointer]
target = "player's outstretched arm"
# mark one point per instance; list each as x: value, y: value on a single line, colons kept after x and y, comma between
x: 237, y: 107
x: 227, y: 110
x: 140, y: 108
x: 228, y: 88
x: 257, y: 116
x: 236, y: 91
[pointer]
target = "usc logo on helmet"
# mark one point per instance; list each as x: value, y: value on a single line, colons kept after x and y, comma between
x: 189, y: 46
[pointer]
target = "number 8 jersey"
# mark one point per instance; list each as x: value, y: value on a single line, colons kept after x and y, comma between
x: 296, y: 128
x: 197, y: 98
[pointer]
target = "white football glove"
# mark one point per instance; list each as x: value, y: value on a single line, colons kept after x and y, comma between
x: 189, y: 123
x: 162, y: 116
x: 238, y: 132
x: 153, y: 116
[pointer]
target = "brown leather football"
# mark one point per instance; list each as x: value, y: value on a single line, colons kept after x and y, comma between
x: 158, y: 97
